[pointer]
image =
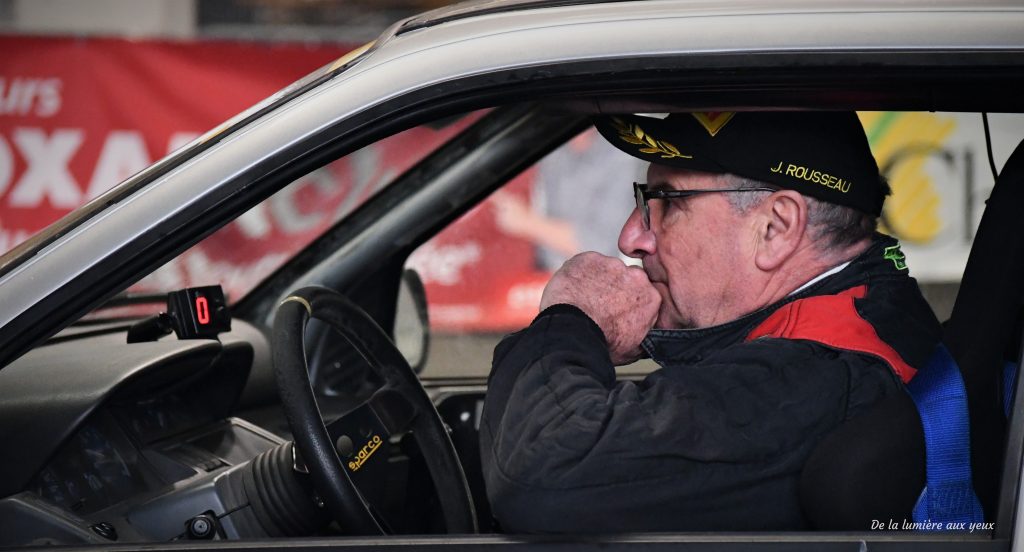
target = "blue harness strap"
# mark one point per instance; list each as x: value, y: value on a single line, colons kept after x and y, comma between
x: 941, y: 399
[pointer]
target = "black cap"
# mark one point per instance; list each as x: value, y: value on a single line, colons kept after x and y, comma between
x: 822, y: 154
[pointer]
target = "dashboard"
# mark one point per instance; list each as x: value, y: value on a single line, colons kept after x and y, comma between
x: 96, y: 469
x: 107, y: 441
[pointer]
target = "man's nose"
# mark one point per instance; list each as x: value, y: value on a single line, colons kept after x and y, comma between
x: 634, y: 240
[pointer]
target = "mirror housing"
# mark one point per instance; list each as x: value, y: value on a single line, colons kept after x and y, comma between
x: 412, y: 323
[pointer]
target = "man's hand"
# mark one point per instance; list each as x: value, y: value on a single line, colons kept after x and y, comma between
x: 620, y: 299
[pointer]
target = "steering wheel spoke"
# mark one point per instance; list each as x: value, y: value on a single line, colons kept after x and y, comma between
x: 394, y: 411
x: 358, y: 436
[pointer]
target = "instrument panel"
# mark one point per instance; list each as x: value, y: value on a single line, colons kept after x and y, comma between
x: 96, y: 469
x: 116, y: 441
x: 133, y: 437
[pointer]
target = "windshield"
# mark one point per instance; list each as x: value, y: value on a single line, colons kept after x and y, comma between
x: 247, y: 250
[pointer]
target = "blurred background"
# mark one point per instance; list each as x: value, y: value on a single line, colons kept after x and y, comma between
x: 338, y: 21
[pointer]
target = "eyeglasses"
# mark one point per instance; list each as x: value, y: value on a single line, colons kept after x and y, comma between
x: 642, y: 194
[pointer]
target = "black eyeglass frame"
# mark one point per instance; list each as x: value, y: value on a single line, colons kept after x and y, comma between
x: 642, y: 194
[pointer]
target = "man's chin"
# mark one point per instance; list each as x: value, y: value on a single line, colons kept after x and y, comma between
x: 666, y: 322
x: 668, y: 318
x: 671, y: 321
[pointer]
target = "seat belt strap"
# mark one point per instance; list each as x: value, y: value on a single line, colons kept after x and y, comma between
x: 941, y: 398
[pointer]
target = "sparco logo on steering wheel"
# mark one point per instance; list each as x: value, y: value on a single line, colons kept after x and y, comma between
x: 364, y: 453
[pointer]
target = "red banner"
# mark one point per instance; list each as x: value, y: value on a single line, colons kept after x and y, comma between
x: 477, y: 277
x: 77, y: 116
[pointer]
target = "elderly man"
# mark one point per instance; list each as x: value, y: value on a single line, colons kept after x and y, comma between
x: 774, y: 309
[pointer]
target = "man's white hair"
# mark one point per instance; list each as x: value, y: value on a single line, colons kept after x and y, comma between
x: 836, y: 226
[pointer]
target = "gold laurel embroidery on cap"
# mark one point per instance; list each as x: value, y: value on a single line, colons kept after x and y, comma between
x: 713, y: 121
x: 633, y: 134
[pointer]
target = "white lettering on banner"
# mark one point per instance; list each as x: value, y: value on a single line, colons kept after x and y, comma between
x: 47, y: 174
x: 123, y: 154
x: 285, y: 210
x: 255, y: 223
x: 19, y: 95
x: 443, y: 264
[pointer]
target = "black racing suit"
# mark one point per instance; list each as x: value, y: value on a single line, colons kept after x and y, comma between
x: 716, y: 438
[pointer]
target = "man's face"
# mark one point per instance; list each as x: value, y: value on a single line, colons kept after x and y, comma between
x: 697, y: 253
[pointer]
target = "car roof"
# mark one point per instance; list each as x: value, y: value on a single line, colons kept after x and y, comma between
x: 474, y: 8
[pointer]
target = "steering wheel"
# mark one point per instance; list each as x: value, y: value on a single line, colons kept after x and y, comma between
x: 400, y: 405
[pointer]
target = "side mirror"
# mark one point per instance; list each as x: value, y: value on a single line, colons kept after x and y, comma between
x: 412, y: 324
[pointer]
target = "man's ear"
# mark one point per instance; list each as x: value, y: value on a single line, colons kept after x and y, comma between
x: 781, y: 225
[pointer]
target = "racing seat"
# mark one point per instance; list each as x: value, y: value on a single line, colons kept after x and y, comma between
x: 873, y: 467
